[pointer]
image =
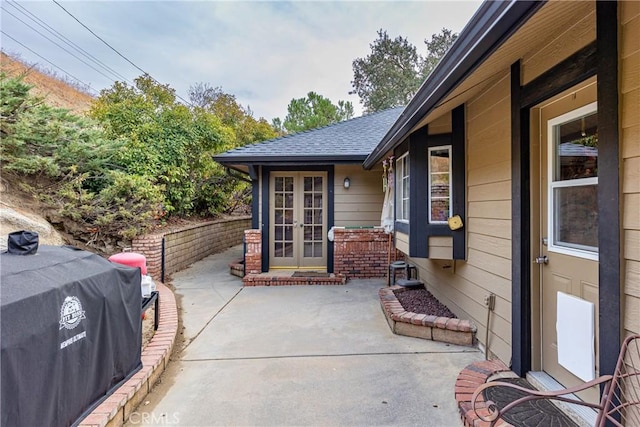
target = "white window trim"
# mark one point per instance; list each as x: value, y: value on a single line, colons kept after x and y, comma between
x: 402, y: 216
x: 553, y: 185
x: 450, y: 149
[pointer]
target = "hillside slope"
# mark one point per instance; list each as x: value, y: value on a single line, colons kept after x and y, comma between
x: 56, y: 92
x: 20, y: 210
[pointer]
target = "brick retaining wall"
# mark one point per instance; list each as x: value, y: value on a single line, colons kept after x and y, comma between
x: 190, y: 244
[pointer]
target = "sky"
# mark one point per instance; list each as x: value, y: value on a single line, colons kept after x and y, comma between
x: 263, y: 52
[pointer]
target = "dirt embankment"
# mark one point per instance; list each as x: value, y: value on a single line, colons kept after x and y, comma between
x: 56, y: 92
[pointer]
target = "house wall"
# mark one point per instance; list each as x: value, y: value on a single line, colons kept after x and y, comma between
x: 361, y: 203
x: 460, y: 285
x: 629, y: 51
x: 463, y: 285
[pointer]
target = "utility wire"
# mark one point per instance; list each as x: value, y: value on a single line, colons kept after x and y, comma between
x: 63, y: 38
x: 61, y: 47
x: 51, y: 63
x: 114, y: 49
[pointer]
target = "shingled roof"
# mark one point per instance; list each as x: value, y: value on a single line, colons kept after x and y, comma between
x: 348, y: 141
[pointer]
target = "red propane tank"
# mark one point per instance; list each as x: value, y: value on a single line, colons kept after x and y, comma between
x: 131, y: 259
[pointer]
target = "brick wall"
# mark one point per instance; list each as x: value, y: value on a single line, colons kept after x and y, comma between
x: 188, y: 245
x: 362, y: 253
x: 253, y: 252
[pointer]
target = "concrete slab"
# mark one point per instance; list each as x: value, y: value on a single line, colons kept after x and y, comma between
x: 298, y: 356
x: 302, y: 321
x: 204, y: 288
x: 382, y: 389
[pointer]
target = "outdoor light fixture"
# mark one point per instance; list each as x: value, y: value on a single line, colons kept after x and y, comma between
x: 347, y: 182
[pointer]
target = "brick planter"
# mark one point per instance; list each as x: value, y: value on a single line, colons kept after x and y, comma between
x: 402, y: 322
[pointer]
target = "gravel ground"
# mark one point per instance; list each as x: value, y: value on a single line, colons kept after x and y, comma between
x: 421, y: 301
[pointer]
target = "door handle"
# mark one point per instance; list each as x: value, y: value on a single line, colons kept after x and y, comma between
x: 542, y: 259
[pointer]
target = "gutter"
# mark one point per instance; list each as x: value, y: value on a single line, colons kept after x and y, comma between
x: 489, y: 28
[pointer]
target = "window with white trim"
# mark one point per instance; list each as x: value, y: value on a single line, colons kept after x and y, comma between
x: 402, y: 188
x: 573, y: 183
x: 440, y: 190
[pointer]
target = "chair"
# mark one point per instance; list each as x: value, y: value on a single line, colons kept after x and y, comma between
x: 620, y: 402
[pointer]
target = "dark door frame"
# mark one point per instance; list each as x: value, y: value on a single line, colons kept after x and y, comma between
x: 266, y: 176
x: 599, y: 58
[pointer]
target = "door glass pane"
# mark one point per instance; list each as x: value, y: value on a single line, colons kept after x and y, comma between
x: 573, y: 182
x: 317, y: 183
x: 283, y: 217
x: 576, y: 149
x: 308, y: 249
x: 288, y: 183
x: 576, y: 217
x: 308, y: 183
x: 288, y: 249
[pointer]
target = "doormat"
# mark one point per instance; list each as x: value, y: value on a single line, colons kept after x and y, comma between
x: 535, y: 413
x: 310, y: 274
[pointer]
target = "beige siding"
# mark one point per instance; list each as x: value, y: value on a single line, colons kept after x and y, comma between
x: 440, y: 247
x: 440, y: 125
x: 463, y: 286
x: 630, y: 138
x: 563, y: 41
x: 361, y: 204
x: 402, y: 242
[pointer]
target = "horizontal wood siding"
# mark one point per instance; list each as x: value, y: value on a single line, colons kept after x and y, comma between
x: 402, y: 242
x: 440, y: 247
x: 462, y: 286
x: 630, y: 141
x: 562, y: 41
x: 361, y: 204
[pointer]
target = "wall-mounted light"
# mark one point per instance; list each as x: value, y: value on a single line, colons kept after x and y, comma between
x: 347, y: 182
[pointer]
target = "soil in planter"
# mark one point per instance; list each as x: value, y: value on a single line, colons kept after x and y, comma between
x: 422, y: 302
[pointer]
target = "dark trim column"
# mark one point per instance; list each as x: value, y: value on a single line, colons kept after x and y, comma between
x: 265, y: 218
x: 608, y: 186
x: 459, y: 173
x: 418, y: 192
x: 520, y: 230
x: 330, y: 215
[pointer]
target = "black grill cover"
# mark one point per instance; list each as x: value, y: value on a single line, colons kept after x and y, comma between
x: 70, y: 331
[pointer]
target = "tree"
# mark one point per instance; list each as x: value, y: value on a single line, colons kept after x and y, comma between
x: 394, y: 70
x: 231, y: 113
x: 168, y: 143
x: 314, y: 111
x: 437, y: 46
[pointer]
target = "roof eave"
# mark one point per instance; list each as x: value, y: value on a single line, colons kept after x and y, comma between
x: 306, y: 159
x: 491, y: 25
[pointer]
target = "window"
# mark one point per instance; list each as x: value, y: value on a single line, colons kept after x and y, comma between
x: 402, y: 188
x: 439, y: 184
x: 573, y: 183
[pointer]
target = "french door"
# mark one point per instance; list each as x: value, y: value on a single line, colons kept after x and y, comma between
x: 298, y: 218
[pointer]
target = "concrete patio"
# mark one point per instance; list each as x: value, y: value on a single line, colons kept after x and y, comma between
x: 297, y: 355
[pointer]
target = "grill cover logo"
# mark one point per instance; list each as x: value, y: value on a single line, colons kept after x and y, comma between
x: 71, y: 313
